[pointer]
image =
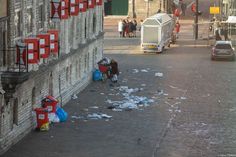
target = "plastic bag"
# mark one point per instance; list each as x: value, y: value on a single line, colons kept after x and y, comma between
x: 62, y: 115
x: 53, y: 118
x: 97, y: 75
x: 114, y: 78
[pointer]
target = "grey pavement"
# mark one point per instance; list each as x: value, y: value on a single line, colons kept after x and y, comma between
x: 193, y: 113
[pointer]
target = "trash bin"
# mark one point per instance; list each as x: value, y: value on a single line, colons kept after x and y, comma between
x: 42, y: 119
x: 50, y: 103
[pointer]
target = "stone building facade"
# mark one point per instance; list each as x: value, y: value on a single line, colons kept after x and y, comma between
x: 61, y: 75
x: 146, y: 8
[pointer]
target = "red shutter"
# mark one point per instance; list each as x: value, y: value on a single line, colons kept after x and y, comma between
x: 64, y: 9
x: 44, y: 45
x: 74, y: 7
x: 91, y: 3
x: 54, y: 40
x: 83, y: 6
x: 99, y: 2
x: 55, y: 10
x: 33, y: 50
x: 21, y: 52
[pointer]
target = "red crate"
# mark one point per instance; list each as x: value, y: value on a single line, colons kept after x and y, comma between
x: 50, y: 103
x: 42, y: 117
x: 103, y: 68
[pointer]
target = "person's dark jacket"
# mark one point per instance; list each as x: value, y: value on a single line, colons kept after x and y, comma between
x: 114, y: 68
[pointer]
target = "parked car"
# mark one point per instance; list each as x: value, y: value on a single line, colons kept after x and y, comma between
x: 223, y: 50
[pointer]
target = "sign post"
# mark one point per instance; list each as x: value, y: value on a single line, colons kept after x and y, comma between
x: 196, y: 21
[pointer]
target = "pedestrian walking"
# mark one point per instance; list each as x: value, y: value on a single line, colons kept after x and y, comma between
x: 177, y: 13
x: 134, y: 27
x: 127, y: 28
x: 183, y: 8
x: 114, y: 71
x: 130, y: 28
x: 123, y: 28
x: 177, y: 29
x: 141, y: 22
x: 120, y: 28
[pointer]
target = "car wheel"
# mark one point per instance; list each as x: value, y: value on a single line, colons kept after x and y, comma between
x: 162, y: 49
x: 233, y: 58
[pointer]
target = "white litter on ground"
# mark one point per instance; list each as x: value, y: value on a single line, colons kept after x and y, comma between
x: 130, y: 101
x: 77, y: 117
x: 135, y: 70
x: 53, y: 118
x: 160, y: 92
x: 74, y: 96
x: 144, y: 71
x: 92, y: 116
x: 172, y: 87
x: 94, y: 107
x: 95, y: 116
x: 183, y: 98
x: 125, y: 80
x: 143, y: 85
x: 117, y: 109
x: 159, y: 74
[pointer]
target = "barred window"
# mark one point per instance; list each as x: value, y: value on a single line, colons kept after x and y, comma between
x: 18, y: 23
x: 29, y: 20
x: 94, y: 23
x: 41, y: 16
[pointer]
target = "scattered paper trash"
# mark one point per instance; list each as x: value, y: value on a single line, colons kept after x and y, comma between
x: 95, y: 116
x: 77, y: 117
x: 117, y: 110
x: 143, y: 85
x: 92, y: 116
x: 53, y: 118
x: 144, y: 70
x: 135, y: 70
x: 160, y: 92
x: 172, y: 87
x: 159, y: 74
x: 85, y: 109
x: 130, y: 101
x: 94, y: 107
x: 74, y: 96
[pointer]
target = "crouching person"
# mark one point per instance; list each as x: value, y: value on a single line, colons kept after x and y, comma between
x: 114, y: 71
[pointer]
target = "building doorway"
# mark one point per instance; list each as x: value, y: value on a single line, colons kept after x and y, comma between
x: 116, y: 7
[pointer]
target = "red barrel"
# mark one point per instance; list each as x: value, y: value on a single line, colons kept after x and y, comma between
x: 42, y: 117
x: 50, y: 103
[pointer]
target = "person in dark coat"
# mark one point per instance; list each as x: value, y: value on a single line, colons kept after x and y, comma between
x: 123, y: 28
x: 130, y: 27
x: 134, y: 27
x: 114, y: 70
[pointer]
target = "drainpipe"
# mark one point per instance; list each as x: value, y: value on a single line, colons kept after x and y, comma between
x: 133, y: 8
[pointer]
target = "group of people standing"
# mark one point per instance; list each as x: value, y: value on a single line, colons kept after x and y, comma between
x: 127, y: 28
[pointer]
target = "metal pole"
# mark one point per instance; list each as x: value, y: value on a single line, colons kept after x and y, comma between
x: 196, y: 21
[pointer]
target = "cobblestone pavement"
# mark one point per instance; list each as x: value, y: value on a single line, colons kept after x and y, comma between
x: 193, y: 113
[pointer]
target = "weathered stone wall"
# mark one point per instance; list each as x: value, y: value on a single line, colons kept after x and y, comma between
x: 144, y: 8
x: 81, y: 47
